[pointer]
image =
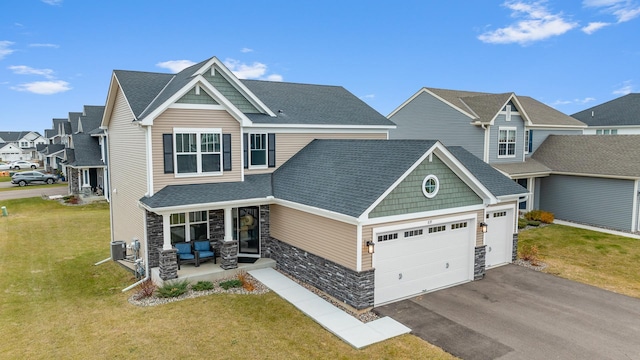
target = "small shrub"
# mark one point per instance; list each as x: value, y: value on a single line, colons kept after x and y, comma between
x: 246, y: 283
x: 539, y: 215
x: 228, y: 284
x: 522, y: 223
x: 146, y: 289
x: 530, y: 253
x: 202, y: 286
x: 173, y: 289
x: 533, y: 223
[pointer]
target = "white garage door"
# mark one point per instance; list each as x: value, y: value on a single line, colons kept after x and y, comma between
x: 499, y: 237
x: 422, y: 258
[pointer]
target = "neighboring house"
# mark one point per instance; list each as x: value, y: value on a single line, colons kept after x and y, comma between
x: 22, y: 145
x: 501, y: 129
x: 618, y: 116
x: 303, y: 174
x: 594, y: 179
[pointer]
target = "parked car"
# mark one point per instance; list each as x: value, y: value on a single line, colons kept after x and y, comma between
x: 4, y: 166
x: 27, y: 177
x: 22, y: 164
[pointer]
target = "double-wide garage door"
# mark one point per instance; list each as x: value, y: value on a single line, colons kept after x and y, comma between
x: 419, y: 259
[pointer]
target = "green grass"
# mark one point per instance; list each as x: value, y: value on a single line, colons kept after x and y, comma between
x: 33, y: 186
x: 55, y: 304
x: 607, y: 261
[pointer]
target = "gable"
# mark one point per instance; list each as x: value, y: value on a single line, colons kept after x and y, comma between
x: 408, y: 197
x: 232, y: 94
x: 197, y: 96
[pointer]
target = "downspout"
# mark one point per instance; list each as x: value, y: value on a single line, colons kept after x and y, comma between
x: 485, y: 145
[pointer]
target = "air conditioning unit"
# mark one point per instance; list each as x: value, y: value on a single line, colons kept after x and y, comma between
x: 118, y: 250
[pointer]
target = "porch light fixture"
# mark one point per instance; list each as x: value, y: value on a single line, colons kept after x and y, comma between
x: 484, y: 227
x: 370, y: 247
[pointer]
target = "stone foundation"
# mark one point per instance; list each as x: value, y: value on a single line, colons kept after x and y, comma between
x: 168, y: 264
x: 354, y: 288
x: 514, y: 254
x: 479, y: 262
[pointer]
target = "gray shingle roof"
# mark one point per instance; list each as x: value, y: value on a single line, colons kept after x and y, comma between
x: 253, y: 187
x: 608, y: 155
x: 492, y: 179
x: 486, y: 105
x: 312, y: 104
x: 622, y: 111
x: 74, y: 118
x: 87, y: 151
x: 529, y: 166
x: 345, y: 176
x: 91, y: 118
x: 141, y: 88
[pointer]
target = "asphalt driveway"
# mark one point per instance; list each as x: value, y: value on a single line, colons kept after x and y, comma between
x: 517, y: 313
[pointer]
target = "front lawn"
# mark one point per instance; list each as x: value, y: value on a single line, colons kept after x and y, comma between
x: 56, y: 304
x: 607, y: 261
x: 32, y: 186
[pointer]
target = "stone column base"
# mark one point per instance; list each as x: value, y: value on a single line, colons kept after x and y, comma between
x: 168, y: 264
x: 514, y: 254
x: 479, y: 263
x: 229, y: 254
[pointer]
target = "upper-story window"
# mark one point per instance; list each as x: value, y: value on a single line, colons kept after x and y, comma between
x: 258, y: 153
x: 507, y: 142
x: 607, y: 132
x: 528, y: 141
x: 198, y: 151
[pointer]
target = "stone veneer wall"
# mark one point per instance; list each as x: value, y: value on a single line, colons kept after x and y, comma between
x: 479, y: 262
x: 353, y: 288
x: 265, y: 233
x: 74, y: 180
x: 216, y: 229
x: 514, y: 253
x: 155, y: 238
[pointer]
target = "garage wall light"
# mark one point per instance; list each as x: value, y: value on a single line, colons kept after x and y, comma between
x: 484, y: 227
x: 370, y: 247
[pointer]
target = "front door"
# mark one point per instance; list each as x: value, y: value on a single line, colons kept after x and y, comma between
x: 247, y: 225
x: 523, y: 183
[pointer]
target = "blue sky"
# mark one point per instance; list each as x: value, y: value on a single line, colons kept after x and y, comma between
x: 58, y: 55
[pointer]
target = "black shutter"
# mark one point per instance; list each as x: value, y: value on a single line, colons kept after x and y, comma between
x: 530, y: 140
x: 167, y: 151
x: 226, y: 152
x: 272, y: 150
x: 245, y: 144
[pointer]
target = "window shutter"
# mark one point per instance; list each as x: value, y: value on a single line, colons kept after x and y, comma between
x: 226, y: 152
x: 245, y: 145
x: 530, y: 140
x: 271, y: 150
x: 167, y: 151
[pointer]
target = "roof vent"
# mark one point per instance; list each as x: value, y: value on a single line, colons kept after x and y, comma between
x: 592, y: 112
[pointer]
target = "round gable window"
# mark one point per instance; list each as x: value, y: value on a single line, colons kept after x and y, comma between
x: 430, y: 186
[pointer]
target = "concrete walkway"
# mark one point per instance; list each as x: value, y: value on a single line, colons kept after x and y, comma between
x: 594, y: 228
x: 332, y: 318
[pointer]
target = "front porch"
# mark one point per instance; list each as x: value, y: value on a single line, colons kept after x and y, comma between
x: 209, y: 271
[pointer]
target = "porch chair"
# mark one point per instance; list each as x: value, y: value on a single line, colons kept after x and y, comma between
x: 203, y: 251
x: 185, y: 254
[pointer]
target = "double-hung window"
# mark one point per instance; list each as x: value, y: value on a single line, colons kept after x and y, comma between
x: 189, y: 226
x: 258, y: 153
x: 198, y: 151
x: 507, y: 142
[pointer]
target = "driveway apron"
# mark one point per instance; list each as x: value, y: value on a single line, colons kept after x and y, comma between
x: 518, y: 313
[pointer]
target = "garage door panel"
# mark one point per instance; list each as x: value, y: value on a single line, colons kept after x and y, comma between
x: 409, y: 266
x: 499, y: 237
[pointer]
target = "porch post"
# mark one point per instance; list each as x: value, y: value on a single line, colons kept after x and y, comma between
x: 229, y: 247
x: 166, y: 232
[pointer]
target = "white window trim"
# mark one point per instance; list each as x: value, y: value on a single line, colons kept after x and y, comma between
x: 187, y: 224
x: 515, y: 143
x: 198, y: 132
x: 526, y: 141
x: 266, y: 151
x: 435, y: 192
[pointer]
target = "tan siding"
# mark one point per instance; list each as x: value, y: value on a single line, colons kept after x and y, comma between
x: 288, y: 144
x: 127, y: 163
x: 184, y: 118
x: 367, y: 233
x: 330, y: 239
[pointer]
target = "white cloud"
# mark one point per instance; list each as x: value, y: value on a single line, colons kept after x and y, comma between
x: 246, y: 50
x: 593, y: 27
x: 5, y: 49
x: 53, y: 2
x: 625, y: 89
x: 368, y: 96
x: 537, y: 24
x: 26, y: 70
x: 175, y: 65
x: 257, y: 70
x: 55, y: 46
x: 44, y: 87
x: 574, y: 101
x: 623, y: 10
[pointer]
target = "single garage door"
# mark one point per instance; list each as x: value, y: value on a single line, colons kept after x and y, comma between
x: 499, y: 237
x: 422, y: 258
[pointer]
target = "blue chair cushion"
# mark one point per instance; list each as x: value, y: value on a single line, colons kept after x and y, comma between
x: 205, y: 254
x: 186, y: 256
x: 184, y: 250
x: 201, y: 246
